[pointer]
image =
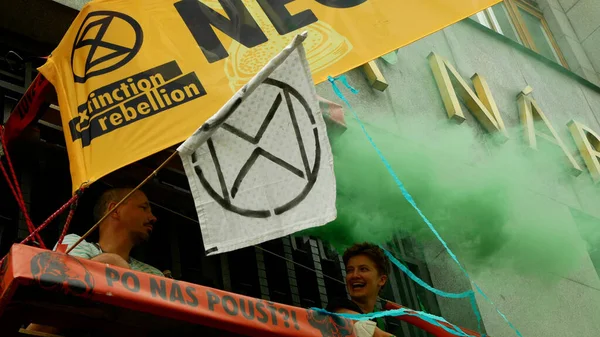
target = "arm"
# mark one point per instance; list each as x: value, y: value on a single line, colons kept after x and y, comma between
x: 86, y: 250
x: 378, y: 332
x: 112, y: 259
x: 83, y: 250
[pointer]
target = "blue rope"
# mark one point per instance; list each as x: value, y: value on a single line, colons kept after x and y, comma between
x: 412, y: 202
x: 423, y: 283
x: 470, y: 294
x: 431, y: 319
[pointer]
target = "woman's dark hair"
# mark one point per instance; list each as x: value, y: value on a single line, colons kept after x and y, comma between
x: 371, y: 251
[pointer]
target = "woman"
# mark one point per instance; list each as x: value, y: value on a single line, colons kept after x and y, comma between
x: 367, y: 270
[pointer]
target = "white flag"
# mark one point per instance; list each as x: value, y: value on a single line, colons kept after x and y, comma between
x: 261, y: 168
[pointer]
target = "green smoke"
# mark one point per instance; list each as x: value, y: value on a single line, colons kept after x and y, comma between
x: 492, y: 202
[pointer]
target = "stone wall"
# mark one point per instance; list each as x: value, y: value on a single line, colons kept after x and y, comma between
x: 568, y: 306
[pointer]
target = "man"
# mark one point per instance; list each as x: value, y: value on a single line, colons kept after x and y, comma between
x: 367, y: 270
x: 127, y: 226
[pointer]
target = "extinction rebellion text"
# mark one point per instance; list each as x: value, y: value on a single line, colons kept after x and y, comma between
x: 129, y: 100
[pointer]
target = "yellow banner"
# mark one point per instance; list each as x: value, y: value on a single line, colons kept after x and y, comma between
x: 134, y: 77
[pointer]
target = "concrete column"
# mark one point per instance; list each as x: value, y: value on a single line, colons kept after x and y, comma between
x: 584, y: 17
x: 571, y: 46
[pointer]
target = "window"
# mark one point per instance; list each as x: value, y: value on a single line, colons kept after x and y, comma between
x: 504, y: 24
x: 327, y: 251
x: 498, y: 19
x: 538, y: 34
x: 300, y: 243
x: 523, y: 22
x: 402, y: 290
x: 277, y: 273
x: 308, y: 286
x: 244, y: 272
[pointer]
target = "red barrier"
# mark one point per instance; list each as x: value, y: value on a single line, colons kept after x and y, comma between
x: 97, y: 282
x: 30, y: 276
x: 420, y: 323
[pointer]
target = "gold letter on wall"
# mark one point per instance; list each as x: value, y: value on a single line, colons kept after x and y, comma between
x: 374, y: 76
x: 588, y: 143
x: 530, y: 113
x: 482, y: 104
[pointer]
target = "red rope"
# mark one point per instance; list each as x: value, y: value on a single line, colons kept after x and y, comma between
x: 73, y: 203
x: 66, y: 226
x: 9, y: 182
x: 53, y: 216
x: 15, y: 195
x: 16, y: 189
x: 68, y: 222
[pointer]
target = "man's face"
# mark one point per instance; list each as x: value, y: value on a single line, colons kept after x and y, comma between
x: 362, y: 278
x: 135, y: 215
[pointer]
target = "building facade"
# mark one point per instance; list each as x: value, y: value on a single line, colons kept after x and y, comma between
x: 536, y: 58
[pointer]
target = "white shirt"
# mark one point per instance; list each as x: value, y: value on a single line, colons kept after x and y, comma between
x: 88, y: 251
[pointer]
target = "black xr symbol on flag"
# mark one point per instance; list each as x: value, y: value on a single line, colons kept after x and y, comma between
x: 285, y: 96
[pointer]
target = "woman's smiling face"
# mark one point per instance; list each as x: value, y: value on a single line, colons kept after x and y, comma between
x: 363, y: 279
